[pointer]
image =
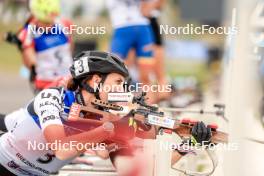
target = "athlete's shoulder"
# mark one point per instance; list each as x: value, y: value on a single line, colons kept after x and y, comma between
x: 64, y: 22
x: 49, y: 102
x: 57, y: 93
x: 29, y: 24
x: 25, y: 34
x: 50, y: 95
x: 48, y: 105
x: 53, y: 90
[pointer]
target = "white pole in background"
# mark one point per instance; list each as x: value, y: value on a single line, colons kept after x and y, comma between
x: 163, y: 155
x: 240, y: 94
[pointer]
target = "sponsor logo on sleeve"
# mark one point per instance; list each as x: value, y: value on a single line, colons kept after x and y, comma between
x: 48, y: 118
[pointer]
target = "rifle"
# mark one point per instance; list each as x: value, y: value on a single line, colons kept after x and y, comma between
x: 145, y: 116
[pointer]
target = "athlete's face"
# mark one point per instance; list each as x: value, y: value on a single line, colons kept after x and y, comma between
x: 114, y: 82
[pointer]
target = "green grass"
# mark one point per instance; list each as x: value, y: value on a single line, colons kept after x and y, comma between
x: 10, y: 58
x: 187, y: 68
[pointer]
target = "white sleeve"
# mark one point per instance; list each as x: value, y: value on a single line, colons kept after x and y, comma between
x: 48, y: 105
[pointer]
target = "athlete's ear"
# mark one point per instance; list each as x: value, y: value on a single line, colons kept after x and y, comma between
x: 96, y: 79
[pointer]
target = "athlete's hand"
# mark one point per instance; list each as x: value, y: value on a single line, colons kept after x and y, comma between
x: 13, y: 39
x: 33, y: 73
x: 201, y: 134
x: 124, y: 129
x: 146, y: 8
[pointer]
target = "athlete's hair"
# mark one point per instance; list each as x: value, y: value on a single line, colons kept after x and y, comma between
x: 74, y: 84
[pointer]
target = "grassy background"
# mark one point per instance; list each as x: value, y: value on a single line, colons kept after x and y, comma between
x: 10, y: 56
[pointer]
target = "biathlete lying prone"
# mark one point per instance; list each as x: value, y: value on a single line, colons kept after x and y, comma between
x: 45, y: 121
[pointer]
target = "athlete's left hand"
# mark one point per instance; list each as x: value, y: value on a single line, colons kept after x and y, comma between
x: 125, y: 128
x: 201, y: 134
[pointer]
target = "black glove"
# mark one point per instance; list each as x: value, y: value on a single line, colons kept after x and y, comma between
x: 13, y: 39
x: 125, y: 129
x: 201, y: 134
x: 33, y: 74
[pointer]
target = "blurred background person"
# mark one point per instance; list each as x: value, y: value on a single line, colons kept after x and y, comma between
x: 152, y: 10
x: 131, y: 30
x: 257, y: 39
x: 46, y: 47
